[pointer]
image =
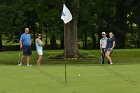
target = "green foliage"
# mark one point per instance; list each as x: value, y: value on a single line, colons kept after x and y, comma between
x: 95, y: 16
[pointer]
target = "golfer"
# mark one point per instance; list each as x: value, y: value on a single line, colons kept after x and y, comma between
x: 25, y: 45
x: 103, y: 42
x: 39, y: 48
x: 109, y: 47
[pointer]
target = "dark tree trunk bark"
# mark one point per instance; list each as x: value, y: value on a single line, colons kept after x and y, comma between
x: 94, y: 42
x: 46, y: 38
x: 121, y: 24
x: 62, y: 42
x: 1, y: 42
x: 34, y: 37
x: 71, y: 34
x: 138, y: 39
x: 100, y: 29
x: 85, y: 40
x: 53, y: 42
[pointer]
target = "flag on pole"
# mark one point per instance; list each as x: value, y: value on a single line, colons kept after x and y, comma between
x: 66, y: 15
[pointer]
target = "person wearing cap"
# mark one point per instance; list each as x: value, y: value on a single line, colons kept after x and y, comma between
x: 39, y: 48
x: 103, y: 42
x: 109, y: 47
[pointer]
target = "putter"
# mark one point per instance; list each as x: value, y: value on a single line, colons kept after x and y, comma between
x: 19, y: 56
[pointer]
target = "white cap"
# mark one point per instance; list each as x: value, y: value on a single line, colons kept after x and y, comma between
x: 103, y: 33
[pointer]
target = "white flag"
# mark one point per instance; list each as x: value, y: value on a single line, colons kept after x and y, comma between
x: 66, y: 14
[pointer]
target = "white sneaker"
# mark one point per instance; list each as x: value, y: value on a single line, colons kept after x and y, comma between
x: 29, y: 65
x: 19, y: 64
x: 111, y: 63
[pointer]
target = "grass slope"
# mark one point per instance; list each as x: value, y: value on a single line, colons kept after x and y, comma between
x: 120, y: 56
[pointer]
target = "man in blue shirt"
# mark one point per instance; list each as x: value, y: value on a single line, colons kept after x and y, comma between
x: 25, y: 45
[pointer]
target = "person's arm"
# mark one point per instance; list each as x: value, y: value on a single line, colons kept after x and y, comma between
x: 37, y: 40
x: 113, y: 44
x: 21, y: 38
x: 31, y: 42
x: 21, y: 44
x: 100, y: 46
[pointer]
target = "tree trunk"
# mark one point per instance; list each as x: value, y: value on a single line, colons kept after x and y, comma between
x: 94, y: 41
x: 46, y: 38
x: 85, y: 40
x: 1, y: 42
x: 138, y: 39
x: 34, y: 37
x: 121, y: 24
x: 53, y: 42
x: 71, y: 34
x: 62, y: 43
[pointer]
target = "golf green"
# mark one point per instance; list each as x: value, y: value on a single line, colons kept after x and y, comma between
x: 50, y: 79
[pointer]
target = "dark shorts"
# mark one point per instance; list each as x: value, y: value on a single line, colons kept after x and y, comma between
x: 103, y: 50
x: 27, y: 50
x: 109, y: 49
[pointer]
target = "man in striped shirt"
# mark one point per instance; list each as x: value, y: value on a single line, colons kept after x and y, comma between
x: 103, y: 42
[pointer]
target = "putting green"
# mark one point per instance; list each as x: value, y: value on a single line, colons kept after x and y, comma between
x: 50, y: 79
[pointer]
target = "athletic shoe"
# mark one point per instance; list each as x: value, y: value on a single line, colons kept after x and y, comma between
x: 111, y: 63
x: 29, y: 65
x: 20, y: 64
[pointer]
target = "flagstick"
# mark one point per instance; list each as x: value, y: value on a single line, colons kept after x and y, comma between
x: 66, y: 17
x: 65, y: 58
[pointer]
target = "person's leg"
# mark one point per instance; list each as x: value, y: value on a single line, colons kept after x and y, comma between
x: 29, y: 53
x: 21, y: 60
x: 28, y: 60
x: 39, y: 60
x: 23, y: 55
x: 103, y: 55
x: 108, y: 57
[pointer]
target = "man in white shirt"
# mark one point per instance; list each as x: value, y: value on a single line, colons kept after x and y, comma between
x: 103, y: 42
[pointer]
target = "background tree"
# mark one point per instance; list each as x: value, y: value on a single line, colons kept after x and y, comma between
x: 71, y: 29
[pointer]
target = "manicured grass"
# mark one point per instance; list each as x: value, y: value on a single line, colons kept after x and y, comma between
x: 50, y: 79
x: 121, y: 77
x: 119, y: 56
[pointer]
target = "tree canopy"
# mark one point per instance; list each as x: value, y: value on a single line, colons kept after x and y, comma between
x: 90, y: 18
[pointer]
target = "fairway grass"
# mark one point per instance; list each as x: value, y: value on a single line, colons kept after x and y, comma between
x: 50, y: 79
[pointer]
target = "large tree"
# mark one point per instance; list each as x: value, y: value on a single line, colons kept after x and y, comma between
x: 71, y: 30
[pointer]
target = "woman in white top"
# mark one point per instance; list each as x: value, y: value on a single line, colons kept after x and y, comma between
x: 39, y: 48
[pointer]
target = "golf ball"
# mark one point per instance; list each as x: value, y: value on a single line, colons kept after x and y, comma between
x: 79, y: 75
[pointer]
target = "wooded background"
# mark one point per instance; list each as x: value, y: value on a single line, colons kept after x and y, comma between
x: 90, y: 18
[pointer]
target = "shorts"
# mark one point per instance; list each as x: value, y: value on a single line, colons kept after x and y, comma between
x: 27, y: 50
x: 40, y: 52
x: 109, y: 49
x: 103, y: 50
